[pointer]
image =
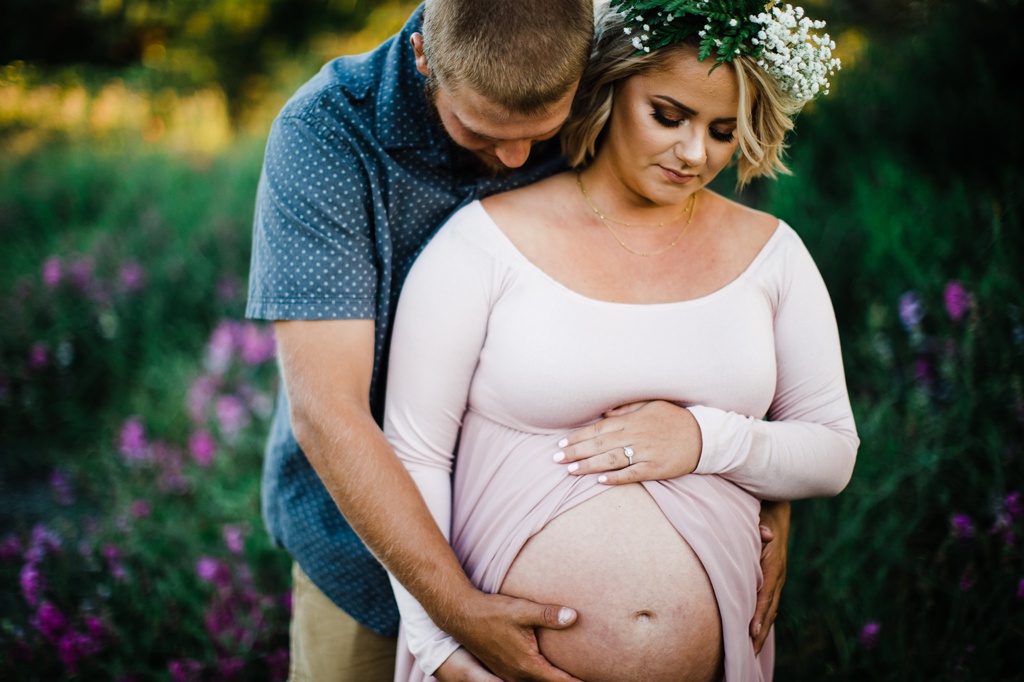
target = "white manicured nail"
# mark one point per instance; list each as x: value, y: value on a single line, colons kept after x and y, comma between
x: 562, y: 443
x: 559, y: 456
x: 573, y: 467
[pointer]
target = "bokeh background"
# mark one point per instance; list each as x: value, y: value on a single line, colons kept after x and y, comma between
x: 134, y: 397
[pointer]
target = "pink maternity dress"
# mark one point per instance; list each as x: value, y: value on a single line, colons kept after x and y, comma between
x: 495, y: 359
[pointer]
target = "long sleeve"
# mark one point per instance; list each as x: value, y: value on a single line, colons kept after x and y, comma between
x: 439, y: 330
x: 808, y: 444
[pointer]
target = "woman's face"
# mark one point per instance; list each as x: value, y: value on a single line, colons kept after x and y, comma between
x: 672, y: 129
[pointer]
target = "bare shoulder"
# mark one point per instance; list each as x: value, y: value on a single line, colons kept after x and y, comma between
x: 744, y: 225
x: 521, y: 212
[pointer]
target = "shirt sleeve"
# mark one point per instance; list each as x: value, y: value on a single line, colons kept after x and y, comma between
x: 440, y: 325
x: 313, y: 253
x: 808, y: 444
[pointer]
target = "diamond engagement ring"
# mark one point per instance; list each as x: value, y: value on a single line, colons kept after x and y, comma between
x: 629, y: 454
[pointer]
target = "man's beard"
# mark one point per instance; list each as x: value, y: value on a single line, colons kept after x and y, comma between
x: 479, y: 163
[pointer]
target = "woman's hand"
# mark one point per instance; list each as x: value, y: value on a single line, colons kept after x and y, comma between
x: 643, y: 441
x: 774, y: 542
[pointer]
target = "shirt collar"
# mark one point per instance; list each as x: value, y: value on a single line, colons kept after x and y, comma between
x: 400, y: 96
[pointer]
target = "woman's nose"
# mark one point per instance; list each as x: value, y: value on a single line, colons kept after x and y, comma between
x: 691, y: 149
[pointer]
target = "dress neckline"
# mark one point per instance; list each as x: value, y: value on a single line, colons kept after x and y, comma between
x: 532, y: 267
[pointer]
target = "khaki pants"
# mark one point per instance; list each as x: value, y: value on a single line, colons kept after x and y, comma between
x: 328, y: 645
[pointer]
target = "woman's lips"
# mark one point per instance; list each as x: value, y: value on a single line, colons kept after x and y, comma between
x: 676, y: 176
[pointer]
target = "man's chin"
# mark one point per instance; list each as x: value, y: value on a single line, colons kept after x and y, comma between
x: 489, y: 164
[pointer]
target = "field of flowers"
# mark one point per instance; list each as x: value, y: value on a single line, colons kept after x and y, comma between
x: 134, y: 397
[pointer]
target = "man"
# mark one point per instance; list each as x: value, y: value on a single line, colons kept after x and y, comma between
x: 362, y: 166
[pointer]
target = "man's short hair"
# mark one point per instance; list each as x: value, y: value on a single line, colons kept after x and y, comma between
x: 523, y: 55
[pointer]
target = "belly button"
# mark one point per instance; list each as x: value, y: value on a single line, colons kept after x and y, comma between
x: 643, y: 616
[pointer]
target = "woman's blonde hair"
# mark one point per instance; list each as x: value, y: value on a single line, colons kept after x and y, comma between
x: 765, y: 113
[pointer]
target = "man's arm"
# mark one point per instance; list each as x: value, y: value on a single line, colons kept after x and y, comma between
x: 327, y: 368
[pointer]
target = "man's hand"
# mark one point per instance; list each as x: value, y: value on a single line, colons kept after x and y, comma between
x: 501, y: 632
x: 774, y: 541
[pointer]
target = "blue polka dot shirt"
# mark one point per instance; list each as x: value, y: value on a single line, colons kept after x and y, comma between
x: 357, y: 177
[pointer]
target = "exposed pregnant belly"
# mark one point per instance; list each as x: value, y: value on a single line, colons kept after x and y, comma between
x: 646, y: 607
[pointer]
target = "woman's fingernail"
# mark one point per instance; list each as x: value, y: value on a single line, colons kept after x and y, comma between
x: 559, y: 456
x: 562, y: 443
x: 602, y: 479
x: 757, y: 630
x: 564, y: 615
x: 573, y: 467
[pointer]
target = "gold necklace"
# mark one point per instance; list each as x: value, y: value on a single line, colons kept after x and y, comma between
x: 604, y: 221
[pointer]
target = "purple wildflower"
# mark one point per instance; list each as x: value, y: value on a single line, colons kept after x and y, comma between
x: 74, y: 646
x: 232, y: 415
x: 256, y: 344
x: 923, y: 370
x: 172, y: 480
x: 958, y: 301
x: 131, y: 441
x: 38, y: 356
x: 53, y: 272
x: 49, y: 621
x: 185, y: 670
x: 207, y: 568
x: 227, y: 289
x: 203, y: 447
x: 1014, y: 504
x: 911, y: 311
x: 113, y: 556
x: 229, y: 668
x: 131, y: 277
x: 10, y: 548
x: 869, y: 634
x: 43, y: 541
x: 32, y: 583
x: 234, y: 538
x: 80, y: 274
x: 200, y: 393
x: 962, y: 526
x: 60, y: 484
x: 139, y: 509
x: 220, y: 349
x: 277, y: 664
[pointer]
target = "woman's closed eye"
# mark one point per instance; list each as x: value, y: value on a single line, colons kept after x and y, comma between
x: 669, y: 121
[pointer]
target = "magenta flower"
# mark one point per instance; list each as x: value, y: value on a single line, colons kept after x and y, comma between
x: 207, y: 568
x: 80, y: 274
x: 74, y: 647
x: 958, y: 301
x: 911, y: 311
x: 961, y: 526
x: 60, y: 484
x: 227, y: 289
x: 43, y: 541
x: 139, y: 509
x: 232, y: 414
x: 234, y: 538
x: 203, y: 447
x: 229, y: 668
x: 200, y: 394
x: 49, y: 621
x: 131, y: 277
x: 220, y: 349
x: 131, y: 441
x: 113, y: 556
x: 32, y: 582
x: 869, y: 634
x: 185, y: 670
x: 10, y: 548
x: 38, y: 356
x: 256, y: 344
x: 1014, y: 504
x: 53, y: 272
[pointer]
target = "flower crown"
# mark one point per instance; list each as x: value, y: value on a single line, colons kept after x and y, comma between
x: 778, y: 38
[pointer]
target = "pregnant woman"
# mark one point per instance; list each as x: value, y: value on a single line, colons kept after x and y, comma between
x: 628, y: 282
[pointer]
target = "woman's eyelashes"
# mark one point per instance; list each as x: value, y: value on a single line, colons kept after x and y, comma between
x: 668, y: 121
